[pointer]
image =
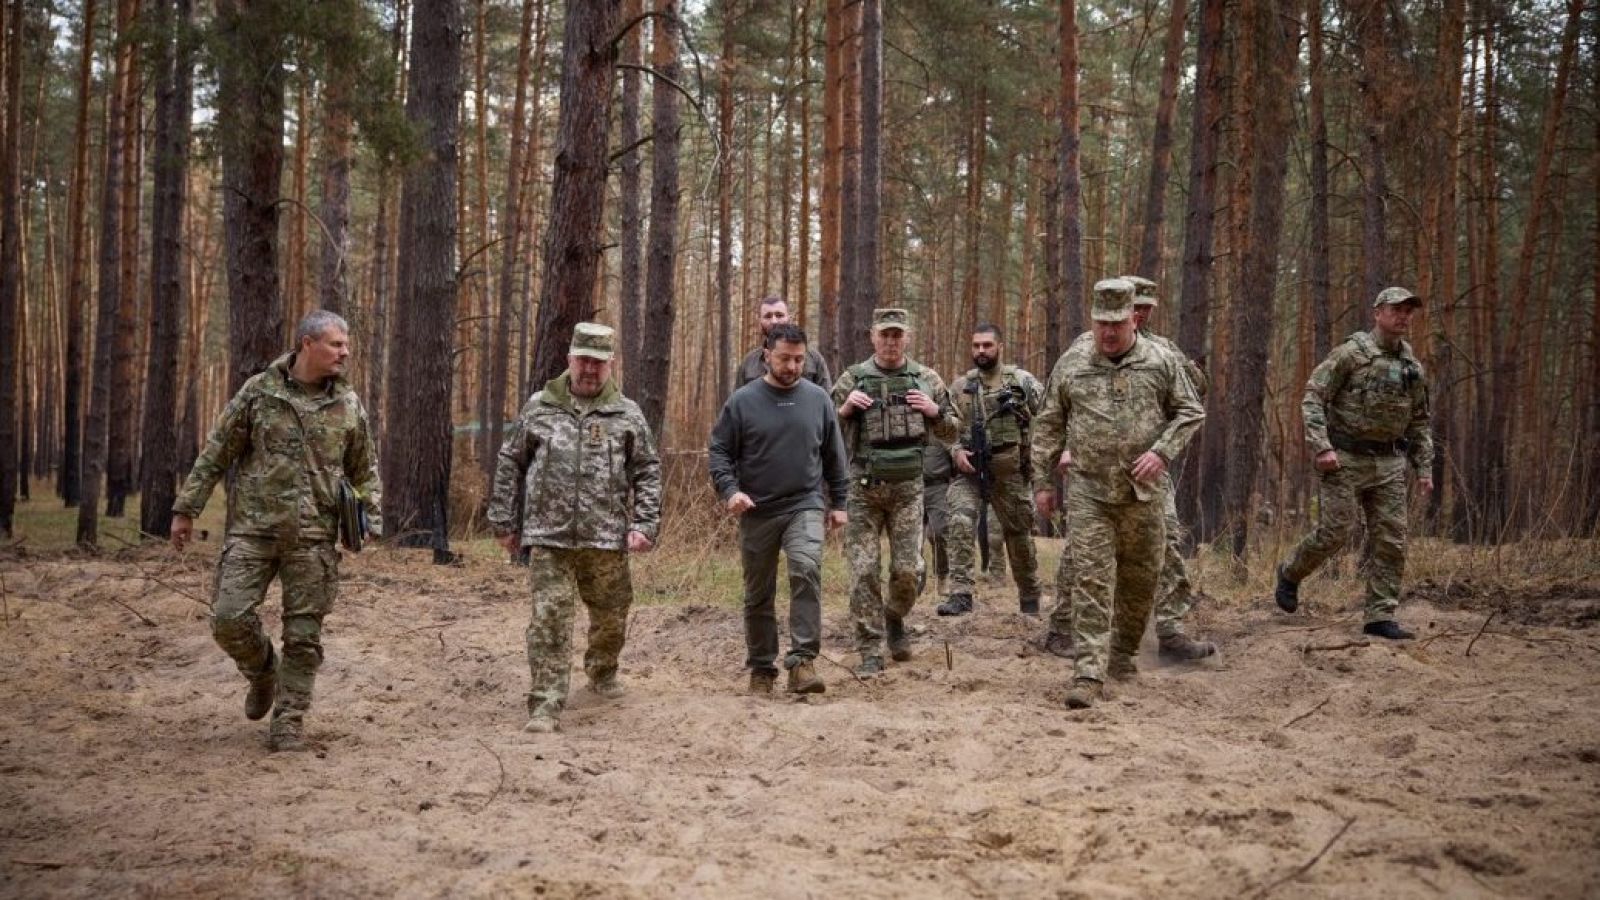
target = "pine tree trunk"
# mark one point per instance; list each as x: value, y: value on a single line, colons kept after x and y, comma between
x: 1072, y: 279
x: 1443, y: 385
x: 1052, y: 265
x: 725, y: 132
x: 833, y: 76
x: 660, y: 297
x: 1321, y: 262
x: 158, y: 479
x: 1373, y: 82
x: 123, y: 436
x: 1155, y: 206
x: 869, y: 228
x: 630, y: 315
x: 577, y: 195
x: 11, y: 297
x: 854, y: 343
x: 418, y: 445
x: 338, y: 152
x: 803, y: 228
x: 70, y: 480
x: 1271, y: 29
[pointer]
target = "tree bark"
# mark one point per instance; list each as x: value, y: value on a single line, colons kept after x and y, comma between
x: 70, y: 481
x: 577, y: 194
x: 1274, y: 31
x: 660, y: 298
x: 1072, y: 278
x: 338, y: 154
x: 1155, y: 206
x: 1321, y: 263
x: 1372, y: 81
x: 158, y: 479
x: 869, y: 228
x: 11, y: 297
x: 419, y: 440
x: 630, y: 315
x: 122, y: 438
x: 832, y: 179
x: 725, y: 156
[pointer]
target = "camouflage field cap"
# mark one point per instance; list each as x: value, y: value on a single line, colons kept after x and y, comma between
x: 1144, y: 290
x: 593, y: 340
x: 1113, y: 301
x: 1395, y: 296
x: 884, y: 319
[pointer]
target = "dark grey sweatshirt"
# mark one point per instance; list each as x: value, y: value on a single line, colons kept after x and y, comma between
x: 782, y: 447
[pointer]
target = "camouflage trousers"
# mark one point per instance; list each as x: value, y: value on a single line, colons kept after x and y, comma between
x: 560, y: 578
x: 309, y: 574
x: 935, y: 520
x: 1373, y: 487
x: 893, y: 508
x: 1111, y: 598
x: 1174, y: 591
x: 1012, y: 501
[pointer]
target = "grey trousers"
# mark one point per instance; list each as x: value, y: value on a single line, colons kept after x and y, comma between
x: 799, y: 536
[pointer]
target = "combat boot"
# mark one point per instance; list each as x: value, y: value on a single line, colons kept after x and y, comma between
x: 1288, y: 593
x: 542, y: 723
x: 1388, y: 629
x: 1059, y: 643
x: 957, y: 605
x: 1085, y: 693
x: 899, y: 642
x: 762, y: 681
x: 1122, y: 668
x: 263, y: 691
x: 1182, y: 648
x: 1028, y: 605
x: 870, y: 666
x: 286, y: 736
x: 609, y: 687
x: 803, y: 679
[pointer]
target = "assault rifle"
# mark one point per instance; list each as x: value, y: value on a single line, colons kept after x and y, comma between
x: 982, y: 454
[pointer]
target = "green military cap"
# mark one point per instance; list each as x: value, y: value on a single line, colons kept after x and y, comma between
x: 1144, y: 290
x: 884, y: 319
x: 593, y: 340
x: 1113, y: 301
x: 1395, y: 295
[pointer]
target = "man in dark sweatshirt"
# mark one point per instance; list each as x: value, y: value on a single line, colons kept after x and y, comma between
x: 775, y: 449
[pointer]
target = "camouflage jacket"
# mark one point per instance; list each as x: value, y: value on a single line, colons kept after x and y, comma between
x: 754, y: 367
x: 291, y: 446
x: 1197, y: 375
x: 1367, y: 393
x: 942, y: 430
x: 590, y: 477
x: 1001, y: 433
x: 1109, y: 413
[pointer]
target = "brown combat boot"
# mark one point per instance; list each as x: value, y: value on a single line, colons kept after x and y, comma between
x: 1182, y: 648
x: 287, y: 736
x: 1085, y: 693
x: 1059, y: 644
x: 761, y: 682
x: 894, y: 629
x: 263, y: 691
x: 803, y: 679
x: 1122, y: 668
x: 609, y: 688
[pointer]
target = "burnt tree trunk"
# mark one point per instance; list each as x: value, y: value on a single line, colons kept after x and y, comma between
x: 158, y: 478
x: 418, y: 445
x: 660, y: 296
x: 577, y: 194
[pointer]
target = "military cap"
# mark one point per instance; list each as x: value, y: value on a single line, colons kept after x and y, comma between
x: 883, y: 319
x: 1113, y: 301
x: 593, y: 340
x: 1395, y: 296
x: 1144, y: 290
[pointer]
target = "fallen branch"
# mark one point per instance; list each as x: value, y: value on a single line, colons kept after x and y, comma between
x: 1307, y: 713
x: 1306, y: 866
x: 842, y: 666
x: 1311, y: 648
x: 141, y: 616
x: 1486, y: 620
x: 498, y: 786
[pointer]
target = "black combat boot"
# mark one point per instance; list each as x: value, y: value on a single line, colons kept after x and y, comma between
x: 957, y: 605
x: 894, y: 629
x: 1288, y: 593
x: 1029, y: 605
x: 1388, y: 629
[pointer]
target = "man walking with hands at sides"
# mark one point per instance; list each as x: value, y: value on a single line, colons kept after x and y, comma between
x: 1366, y: 414
x: 291, y: 433
x: 891, y: 407
x: 774, y: 311
x: 774, y: 450
x: 1114, y: 419
x: 593, y: 495
x: 996, y: 402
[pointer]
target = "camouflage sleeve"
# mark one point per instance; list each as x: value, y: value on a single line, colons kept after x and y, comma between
x: 1033, y: 392
x: 361, y: 467
x: 515, y: 453
x: 1049, y: 432
x: 1184, y: 413
x: 957, y: 391
x: 824, y: 378
x: 842, y: 387
x: 1325, y: 381
x: 226, y: 443
x: 644, y: 474
x: 947, y: 427
x: 1197, y: 377
x: 1419, y: 431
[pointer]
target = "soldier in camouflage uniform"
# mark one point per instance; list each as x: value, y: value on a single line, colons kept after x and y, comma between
x: 592, y: 481
x: 891, y: 408
x: 1005, y: 398
x: 771, y: 312
x: 291, y: 434
x: 1115, y: 417
x: 1366, y: 415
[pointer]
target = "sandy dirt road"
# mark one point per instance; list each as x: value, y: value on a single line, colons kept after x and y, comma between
x: 128, y: 769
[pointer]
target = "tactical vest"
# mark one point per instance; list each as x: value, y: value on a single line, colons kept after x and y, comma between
x: 1006, y: 429
x: 890, y: 433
